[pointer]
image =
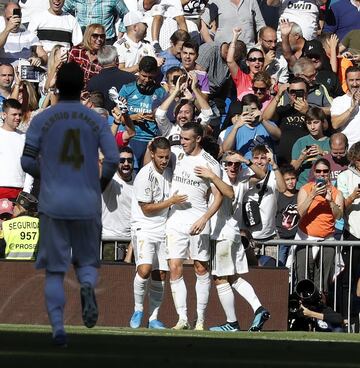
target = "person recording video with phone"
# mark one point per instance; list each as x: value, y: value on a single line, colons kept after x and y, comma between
x: 16, y: 42
x: 319, y: 204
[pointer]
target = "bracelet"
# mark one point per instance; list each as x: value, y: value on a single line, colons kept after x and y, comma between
x: 249, y: 163
x: 116, y: 123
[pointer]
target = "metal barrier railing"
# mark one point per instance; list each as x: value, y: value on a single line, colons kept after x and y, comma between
x: 116, y: 241
x: 321, y: 244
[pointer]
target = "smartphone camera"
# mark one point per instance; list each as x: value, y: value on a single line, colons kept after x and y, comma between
x: 17, y: 12
x: 320, y: 182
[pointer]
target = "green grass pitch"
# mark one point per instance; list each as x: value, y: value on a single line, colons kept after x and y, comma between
x: 102, y: 347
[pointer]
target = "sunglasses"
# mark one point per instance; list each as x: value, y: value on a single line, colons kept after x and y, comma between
x: 319, y: 171
x: 129, y: 160
x: 253, y: 59
x: 98, y: 35
x: 258, y: 89
x: 231, y: 163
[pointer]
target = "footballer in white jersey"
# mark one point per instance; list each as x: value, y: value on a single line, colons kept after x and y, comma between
x: 229, y: 259
x: 150, y: 205
x: 187, y: 228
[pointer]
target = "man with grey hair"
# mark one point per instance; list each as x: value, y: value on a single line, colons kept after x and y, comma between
x: 109, y: 76
x: 294, y: 44
x: 318, y: 94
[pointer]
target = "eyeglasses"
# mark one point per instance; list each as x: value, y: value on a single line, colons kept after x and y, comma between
x: 128, y: 159
x: 270, y: 41
x: 98, y: 35
x: 319, y: 171
x: 258, y: 89
x: 254, y: 59
x: 231, y: 163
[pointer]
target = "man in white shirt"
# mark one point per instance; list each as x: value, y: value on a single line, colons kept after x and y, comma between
x: 228, y: 257
x: 12, y: 177
x: 132, y: 47
x: 345, y: 112
x: 184, y: 110
x: 150, y: 206
x: 17, y: 42
x: 187, y: 227
x: 304, y: 12
x: 116, y: 204
x: 53, y: 27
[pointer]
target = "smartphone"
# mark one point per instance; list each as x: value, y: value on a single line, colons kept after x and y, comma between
x: 299, y: 94
x: 320, y: 182
x: 175, y: 79
x: 63, y: 51
x: 30, y: 73
x: 358, y: 186
x: 17, y: 11
x: 247, y: 108
x: 307, y: 147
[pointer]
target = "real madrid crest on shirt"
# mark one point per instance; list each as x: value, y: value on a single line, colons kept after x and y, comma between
x: 317, y: 92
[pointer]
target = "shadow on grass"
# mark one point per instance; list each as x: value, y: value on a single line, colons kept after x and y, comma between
x: 21, y: 348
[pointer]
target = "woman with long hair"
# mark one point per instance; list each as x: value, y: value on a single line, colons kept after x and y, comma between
x: 85, y: 54
x: 319, y: 205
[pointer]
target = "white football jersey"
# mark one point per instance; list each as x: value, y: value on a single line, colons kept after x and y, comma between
x: 224, y: 223
x: 150, y: 187
x: 185, y: 181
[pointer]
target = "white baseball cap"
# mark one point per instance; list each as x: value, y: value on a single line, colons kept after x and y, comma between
x: 133, y: 17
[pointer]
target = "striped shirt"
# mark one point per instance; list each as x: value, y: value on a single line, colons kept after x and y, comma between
x: 104, y: 12
x: 18, y: 46
x: 54, y: 29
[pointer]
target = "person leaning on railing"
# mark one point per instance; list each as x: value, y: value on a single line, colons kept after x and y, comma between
x: 319, y: 204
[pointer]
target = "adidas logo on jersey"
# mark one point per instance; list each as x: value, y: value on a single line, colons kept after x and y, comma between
x: 135, y: 97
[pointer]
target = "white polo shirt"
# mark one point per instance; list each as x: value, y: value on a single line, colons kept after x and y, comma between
x: 130, y: 52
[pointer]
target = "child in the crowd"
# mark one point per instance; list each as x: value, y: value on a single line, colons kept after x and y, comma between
x: 287, y: 217
x: 308, y: 149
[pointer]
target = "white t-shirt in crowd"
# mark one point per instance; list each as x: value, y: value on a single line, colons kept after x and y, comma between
x: 150, y: 187
x: 351, y: 128
x: 63, y: 29
x: 185, y: 181
x: 303, y: 12
x: 116, y: 208
x: 11, y: 149
x: 224, y: 223
x: 30, y: 8
x: 268, y: 208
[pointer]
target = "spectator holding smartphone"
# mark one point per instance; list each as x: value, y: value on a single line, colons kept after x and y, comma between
x: 319, y: 204
x: 17, y: 42
x: 310, y: 147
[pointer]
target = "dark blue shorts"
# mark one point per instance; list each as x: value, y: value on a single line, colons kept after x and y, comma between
x: 62, y: 242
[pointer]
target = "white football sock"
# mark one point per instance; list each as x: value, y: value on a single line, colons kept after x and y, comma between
x: 139, y: 292
x: 247, y: 292
x: 202, y: 288
x: 156, y: 293
x: 227, y: 300
x: 179, y: 293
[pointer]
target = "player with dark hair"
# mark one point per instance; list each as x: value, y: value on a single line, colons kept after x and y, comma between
x: 149, y: 210
x: 62, y: 148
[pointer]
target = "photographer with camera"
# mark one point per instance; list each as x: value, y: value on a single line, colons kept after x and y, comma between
x: 319, y: 205
x: 309, y: 312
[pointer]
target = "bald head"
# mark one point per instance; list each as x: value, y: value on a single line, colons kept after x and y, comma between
x: 267, y: 38
x: 338, y: 139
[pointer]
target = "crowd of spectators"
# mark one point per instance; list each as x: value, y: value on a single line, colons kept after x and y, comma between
x: 279, y: 83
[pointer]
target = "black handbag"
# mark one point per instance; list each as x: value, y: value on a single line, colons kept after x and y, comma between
x: 251, y: 208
